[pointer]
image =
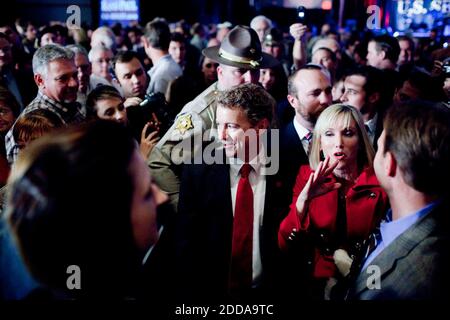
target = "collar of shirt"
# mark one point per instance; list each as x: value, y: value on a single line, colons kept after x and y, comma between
x: 161, y: 61
x: 390, y: 230
x: 372, y: 123
x: 301, y: 130
x: 52, y: 102
x: 236, y: 165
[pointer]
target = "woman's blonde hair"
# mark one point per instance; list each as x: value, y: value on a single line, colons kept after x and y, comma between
x: 341, y: 114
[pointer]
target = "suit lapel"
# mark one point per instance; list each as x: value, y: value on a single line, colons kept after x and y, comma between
x: 221, y: 179
x: 398, y: 249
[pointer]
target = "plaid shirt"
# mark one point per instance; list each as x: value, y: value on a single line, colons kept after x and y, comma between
x: 68, y: 113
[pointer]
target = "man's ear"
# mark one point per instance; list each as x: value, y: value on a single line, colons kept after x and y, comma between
x: 219, y: 73
x: 374, y: 97
x: 145, y: 42
x: 291, y: 100
x: 382, y: 54
x: 390, y: 165
x: 39, y: 80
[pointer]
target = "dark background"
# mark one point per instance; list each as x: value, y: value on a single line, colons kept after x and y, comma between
x: 205, y: 11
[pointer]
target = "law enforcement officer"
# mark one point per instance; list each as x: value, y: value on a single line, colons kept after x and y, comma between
x: 240, y: 58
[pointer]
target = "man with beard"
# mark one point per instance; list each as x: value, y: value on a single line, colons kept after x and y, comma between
x: 56, y: 76
x: 309, y: 93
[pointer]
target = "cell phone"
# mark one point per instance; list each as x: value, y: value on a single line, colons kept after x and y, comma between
x: 301, y: 14
x: 446, y: 66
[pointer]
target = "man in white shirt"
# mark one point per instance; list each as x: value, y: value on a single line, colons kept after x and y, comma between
x: 210, y: 208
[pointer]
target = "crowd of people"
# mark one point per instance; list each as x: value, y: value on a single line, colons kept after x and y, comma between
x: 218, y: 163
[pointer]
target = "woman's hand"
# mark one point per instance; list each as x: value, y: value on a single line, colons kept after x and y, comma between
x: 317, y: 185
x: 148, y: 142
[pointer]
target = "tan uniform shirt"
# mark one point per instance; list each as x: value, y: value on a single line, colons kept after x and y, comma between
x: 194, y: 119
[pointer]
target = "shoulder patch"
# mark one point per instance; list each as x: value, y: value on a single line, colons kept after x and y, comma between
x: 186, y: 125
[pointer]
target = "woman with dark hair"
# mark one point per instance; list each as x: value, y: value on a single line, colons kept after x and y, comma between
x: 337, y: 200
x: 105, y: 102
x: 274, y: 80
x: 81, y: 204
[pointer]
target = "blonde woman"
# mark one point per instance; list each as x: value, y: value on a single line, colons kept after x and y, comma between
x: 337, y: 198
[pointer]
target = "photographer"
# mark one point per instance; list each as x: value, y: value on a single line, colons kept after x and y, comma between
x: 141, y: 109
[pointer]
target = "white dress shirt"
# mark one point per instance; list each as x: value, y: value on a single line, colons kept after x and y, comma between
x: 302, y: 133
x: 371, y: 127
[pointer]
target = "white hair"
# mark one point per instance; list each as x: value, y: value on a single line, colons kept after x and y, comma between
x: 77, y: 49
x: 329, y: 43
x: 48, y: 53
x: 104, y: 36
x: 257, y: 19
x: 96, y: 49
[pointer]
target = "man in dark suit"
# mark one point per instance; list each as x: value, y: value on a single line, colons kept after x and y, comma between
x: 211, y: 236
x: 309, y: 93
x: 410, y: 257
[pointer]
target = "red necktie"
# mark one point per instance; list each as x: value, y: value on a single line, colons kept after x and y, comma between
x: 242, y: 246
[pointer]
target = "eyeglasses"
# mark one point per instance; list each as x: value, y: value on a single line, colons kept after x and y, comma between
x: 209, y: 65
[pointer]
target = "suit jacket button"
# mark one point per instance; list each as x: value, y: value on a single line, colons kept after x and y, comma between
x: 372, y: 195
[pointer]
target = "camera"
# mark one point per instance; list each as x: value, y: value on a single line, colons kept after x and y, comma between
x: 301, y: 14
x: 152, y: 109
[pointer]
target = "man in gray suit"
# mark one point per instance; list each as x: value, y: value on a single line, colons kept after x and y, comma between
x: 410, y: 257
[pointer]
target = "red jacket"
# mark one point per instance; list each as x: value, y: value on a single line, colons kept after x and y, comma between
x: 366, y: 204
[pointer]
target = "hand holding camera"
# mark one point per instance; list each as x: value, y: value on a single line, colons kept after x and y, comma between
x: 149, y: 136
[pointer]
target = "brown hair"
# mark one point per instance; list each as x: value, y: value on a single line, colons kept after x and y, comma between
x: 35, y: 124
x: 254, y: 100
x: 417, y: 133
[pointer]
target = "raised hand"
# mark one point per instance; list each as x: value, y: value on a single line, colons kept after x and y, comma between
x: 149, y: 141
x: 297, y: 31
x: 317, y: 184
